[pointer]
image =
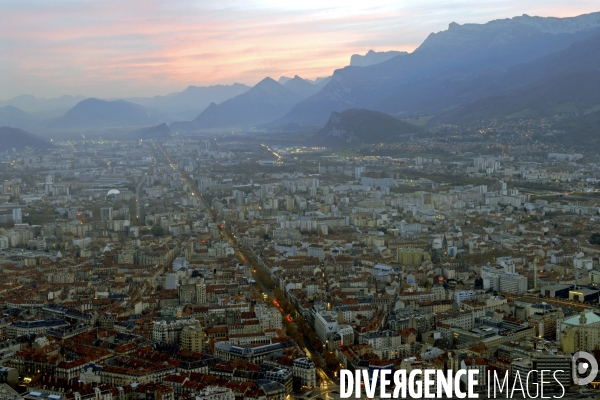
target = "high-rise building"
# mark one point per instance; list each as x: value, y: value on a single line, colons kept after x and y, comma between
x: 239, y: 198
x: 17, y: 216
x: 192, y: 337
x: 200, y: 293
x: 49, y: 184
x: 325, y: 324
x: 106, y: 214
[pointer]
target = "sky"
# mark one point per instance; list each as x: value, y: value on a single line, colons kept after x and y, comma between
x: 126, y: 48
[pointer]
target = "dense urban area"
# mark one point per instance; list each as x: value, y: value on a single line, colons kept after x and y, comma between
x: 235, y: 268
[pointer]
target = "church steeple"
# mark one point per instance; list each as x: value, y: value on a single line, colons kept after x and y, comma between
x: 582, y: 319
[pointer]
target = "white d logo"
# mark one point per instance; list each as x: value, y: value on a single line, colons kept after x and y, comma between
x: 588, y: 364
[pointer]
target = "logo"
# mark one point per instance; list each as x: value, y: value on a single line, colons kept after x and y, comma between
x: 584, y: 363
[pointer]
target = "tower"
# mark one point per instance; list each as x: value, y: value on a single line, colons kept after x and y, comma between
x: 17, y: 216
x: 560, y: 316
x: 535, y: 263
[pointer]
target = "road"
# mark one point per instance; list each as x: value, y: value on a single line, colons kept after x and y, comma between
x: 551, y: 301
x: 186, y: 179
x: 328, y: 383
x: 138, y: 197
x: 279, y: 160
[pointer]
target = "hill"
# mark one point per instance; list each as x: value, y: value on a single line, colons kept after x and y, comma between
x: 581, y: 130
x: 161, y: 131
x: 363, y: 126
x: 19, y: 139
x: 15, y: 117
x: 98, y: 114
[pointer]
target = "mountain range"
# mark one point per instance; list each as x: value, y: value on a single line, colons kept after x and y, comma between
x: 263, y: 103
x: 456, y: 57
x: 186, y: 104
x: 521, y: 67
x: 373, y: 57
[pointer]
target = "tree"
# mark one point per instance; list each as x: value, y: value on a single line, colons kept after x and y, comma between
x: 158, y: 230
x: 479, y: 283
x: 595, y: 238
x: 331, y: 360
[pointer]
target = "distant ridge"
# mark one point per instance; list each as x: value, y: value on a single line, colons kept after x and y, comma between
x: 94, y: 113
x: 32, y: 104
x: 302, y: 87
x: 15, y: 117
x: 191, y: 101
x: 373, y: 57
x: 19, y: 139
x: 266, y: 101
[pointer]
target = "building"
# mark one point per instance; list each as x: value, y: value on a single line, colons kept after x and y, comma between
x: 215, y: 393
x: 461, y: 295
x: 580, y: 332
x: 17, y: 216
x: 255, y: 354
x: 9, y: 375
x: 8, y: 393
x: 179, y: 263
x: 412, y: 256
x: 502, y: 281
x: 305, y: 370
x: 192, y: 337
x: 106, y: 214
x: 171, y: 281
x: 558, y: 365
x: 326, y: 324
x: 21, y: 328
x: 168, y: 330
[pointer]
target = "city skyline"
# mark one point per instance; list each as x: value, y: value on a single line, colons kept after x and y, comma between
x: 109, y: 49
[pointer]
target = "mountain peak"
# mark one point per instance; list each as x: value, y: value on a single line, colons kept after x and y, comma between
x: 264, y: 102
x: 373, y: 57
x: 267, y: 81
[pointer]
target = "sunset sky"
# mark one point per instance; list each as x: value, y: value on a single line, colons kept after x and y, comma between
x: 123, y: 48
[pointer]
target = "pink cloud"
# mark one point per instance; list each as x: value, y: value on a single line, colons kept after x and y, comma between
x: 123, y: 48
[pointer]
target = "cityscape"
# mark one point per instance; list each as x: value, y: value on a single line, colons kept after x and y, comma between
x: 254, y: 242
